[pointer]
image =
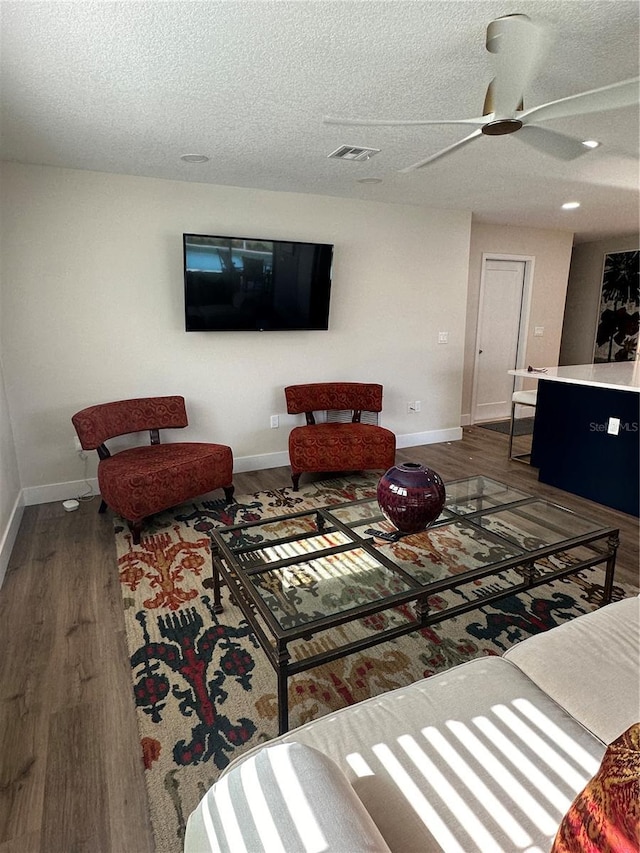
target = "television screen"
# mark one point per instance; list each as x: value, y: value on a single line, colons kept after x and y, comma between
x: 239, y: 284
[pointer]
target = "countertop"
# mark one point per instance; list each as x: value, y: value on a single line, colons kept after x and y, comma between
x: 620, y: 376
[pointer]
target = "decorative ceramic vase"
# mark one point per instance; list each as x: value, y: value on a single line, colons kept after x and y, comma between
x: 411, y: 496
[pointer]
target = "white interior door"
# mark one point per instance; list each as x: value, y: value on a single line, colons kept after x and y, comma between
x: 499, y: 330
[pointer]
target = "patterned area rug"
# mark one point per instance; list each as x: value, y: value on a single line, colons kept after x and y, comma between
x: 204, y: 690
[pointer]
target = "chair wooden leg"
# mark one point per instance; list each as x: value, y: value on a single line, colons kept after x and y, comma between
x: 295, y: 479
x: 228, y: 494
x: 102, y: 507
x: 136, y: 530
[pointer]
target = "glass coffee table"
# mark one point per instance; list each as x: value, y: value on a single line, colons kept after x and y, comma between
x: 297, y: 575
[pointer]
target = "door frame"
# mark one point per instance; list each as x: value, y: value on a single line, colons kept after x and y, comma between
x: 525, y: 310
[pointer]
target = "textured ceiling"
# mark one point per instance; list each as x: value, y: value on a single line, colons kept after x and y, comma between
x: 128, y: 87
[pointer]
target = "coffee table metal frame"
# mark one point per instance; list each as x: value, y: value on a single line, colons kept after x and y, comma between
x: 238, y: 578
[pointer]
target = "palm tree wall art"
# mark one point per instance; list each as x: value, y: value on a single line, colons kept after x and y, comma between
x: 617, y: 332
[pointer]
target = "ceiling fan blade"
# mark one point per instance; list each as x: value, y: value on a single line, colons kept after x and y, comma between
x: 442, y: 153
x: 476, y: 122
x: 519, y: 46
x: 549, y: 142
x: 616, y: 95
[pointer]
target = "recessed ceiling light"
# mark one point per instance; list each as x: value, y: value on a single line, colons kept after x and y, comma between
x: 591, y: 143
x: 369, y: 180
x: 570, y: 205
x: 194, y: 158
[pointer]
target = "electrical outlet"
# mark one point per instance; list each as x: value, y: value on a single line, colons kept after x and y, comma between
x: 538, y: 331
x: 443, y: 337
x: 275, y: 422
x: 613, y: 428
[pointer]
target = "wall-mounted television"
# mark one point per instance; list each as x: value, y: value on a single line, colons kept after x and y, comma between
x: 245, y: 284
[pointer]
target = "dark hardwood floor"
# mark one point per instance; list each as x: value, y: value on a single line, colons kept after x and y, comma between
x: 71, y: 777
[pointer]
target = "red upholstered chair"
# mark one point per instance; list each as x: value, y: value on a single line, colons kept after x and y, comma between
x: 140, y: 481
x: 336, y: 446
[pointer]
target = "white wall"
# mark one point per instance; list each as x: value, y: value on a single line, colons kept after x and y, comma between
x: 93, y: 311
x: 551, y: 251
x: 11, y: 506
x: 582, y: 310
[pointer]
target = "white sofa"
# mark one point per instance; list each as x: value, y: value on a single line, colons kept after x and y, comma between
x: 486, y: 756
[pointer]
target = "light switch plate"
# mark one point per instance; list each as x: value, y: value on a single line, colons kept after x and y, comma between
x: 613, y: 427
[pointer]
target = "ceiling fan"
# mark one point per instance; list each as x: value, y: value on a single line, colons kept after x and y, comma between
x: 519, y: 46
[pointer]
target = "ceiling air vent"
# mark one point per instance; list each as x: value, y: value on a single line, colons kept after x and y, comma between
x: 351, y: 152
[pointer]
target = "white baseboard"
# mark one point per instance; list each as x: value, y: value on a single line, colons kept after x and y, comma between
x: 58, y: 491
x: 493, y: 412
x: 9, y: 536
x: 434, y: 436
x: 465, y: 420
x: 280, y: 459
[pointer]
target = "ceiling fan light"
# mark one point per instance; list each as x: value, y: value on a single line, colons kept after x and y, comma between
x: 591, y: 143
x: 570, y: 205
x: 501, y: 126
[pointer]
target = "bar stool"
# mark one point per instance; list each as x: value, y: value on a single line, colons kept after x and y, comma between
x: 520, y: 398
